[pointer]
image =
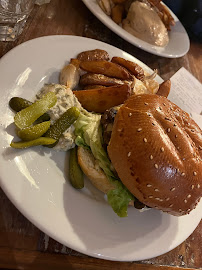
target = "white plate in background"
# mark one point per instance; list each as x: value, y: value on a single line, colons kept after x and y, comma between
x: 35, y: 179
x: 178, y: 44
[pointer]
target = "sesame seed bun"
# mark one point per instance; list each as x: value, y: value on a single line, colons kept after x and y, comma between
x: 156, y: 149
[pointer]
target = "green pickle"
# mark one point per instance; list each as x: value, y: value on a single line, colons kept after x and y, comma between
x: 26, y: 144
x: 33, y: 132
x: 17, y: 104
x: 29, y: 115
x: 63, y: 123
x: 75, y: 172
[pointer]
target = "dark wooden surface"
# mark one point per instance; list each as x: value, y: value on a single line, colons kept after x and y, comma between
x: 22, y: 245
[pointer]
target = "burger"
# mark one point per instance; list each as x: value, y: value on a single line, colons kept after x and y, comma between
x: 146, y: 153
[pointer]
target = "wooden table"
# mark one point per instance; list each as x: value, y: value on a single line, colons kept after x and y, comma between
x: 22, y: 245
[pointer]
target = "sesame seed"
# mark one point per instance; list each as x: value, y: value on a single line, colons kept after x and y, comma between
x: 145, y: 103
x: 200, y: 147
x: 185, y: 201
x: 162, y: 149
x: 156, y: 166
x: 178, y: 170
x: 130, y: 114
x: 167, y: 199
x: 139, y: 129
x: 174, y: 125
x: 151, y: 157
x: 149, y: 114
x: 166, y: 118
x: 160, y: 108
x: 156, y: 189
x: 198, y: 186
x: 145, y: 140
x: 161, y: 200
x: 153, y: 124
x: 176, y: 136
x: 188, y: 124
x: 180, y: 210
x: 149, y: 185
x: 188, y: 210
x: 192, y: 130
x: 164, y: 104
x: 120, y: 129
x: 158, y: 199
x: 189, y: 196
x: 171, y: 205
x: 172, y: 189
x: 150, y: 197
x: 192, y: 186
x: 183, y: 174
x: 168, y: 129
x: 195, y: 173
x: 129, y: 154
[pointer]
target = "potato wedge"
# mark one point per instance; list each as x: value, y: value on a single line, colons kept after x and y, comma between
x: 117, y: 13
x: 101, y: 99
x: 93, y: 86
x: 93, y: 55
x: 75, y: 62
x: 164, y: 88
x: 99, y: 79
x: 106, y: 68
x: 133, y: 68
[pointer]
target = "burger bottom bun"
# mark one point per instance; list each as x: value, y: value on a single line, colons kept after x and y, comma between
x: 93, y: 171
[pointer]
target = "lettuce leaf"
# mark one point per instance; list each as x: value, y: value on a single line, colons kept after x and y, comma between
x: 88, y: 133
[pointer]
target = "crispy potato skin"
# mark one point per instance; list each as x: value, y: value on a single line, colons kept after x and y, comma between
x: 93, y: 86
x: 106, y: 68
x: 117, y: 13
x: 93, y: 55
x: 164, y: 88
x: 99, y: 79
x: 100, y: 99
x: 133, y: 68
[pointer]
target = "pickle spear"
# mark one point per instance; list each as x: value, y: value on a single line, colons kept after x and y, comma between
x: 17, y: 104
x: 33, y: 132
x: 63, y: 123
x: 27, y: 116
x: 39, y: 141
x: 75, y: 172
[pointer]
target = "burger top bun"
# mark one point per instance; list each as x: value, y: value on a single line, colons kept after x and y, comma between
x: 156, y: 149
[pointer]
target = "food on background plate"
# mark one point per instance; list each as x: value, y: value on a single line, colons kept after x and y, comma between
x: 148, y: 20
x: 152, y: 135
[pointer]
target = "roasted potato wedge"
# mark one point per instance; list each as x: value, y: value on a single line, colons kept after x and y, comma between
x: 164, y: 88
x: 99, y: 79
x: 93, y: 86
x: 133, y: 68
x: 117, y: 13
x: 93, y: 55
x: 106, y: 68
x: 101, y: 99
x: 75, y: 62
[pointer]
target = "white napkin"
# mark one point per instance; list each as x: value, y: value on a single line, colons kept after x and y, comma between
x: 186, y: 92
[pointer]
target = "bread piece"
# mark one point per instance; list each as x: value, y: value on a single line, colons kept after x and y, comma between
x: 93, y: 171
x: 156, y: 149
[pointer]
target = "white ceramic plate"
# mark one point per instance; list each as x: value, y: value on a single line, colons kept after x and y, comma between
x: 35, y: 179
x: 178, y: 44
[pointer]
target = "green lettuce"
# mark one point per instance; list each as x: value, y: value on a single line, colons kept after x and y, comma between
x: 88, y: 133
